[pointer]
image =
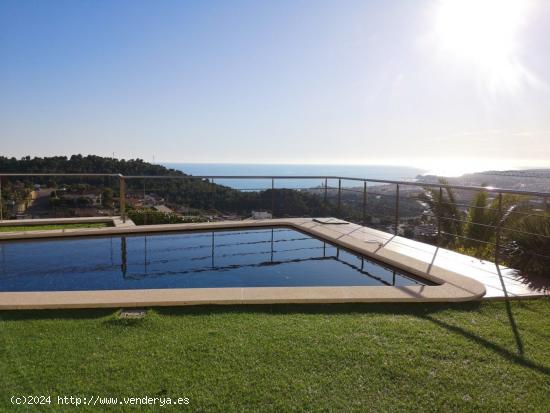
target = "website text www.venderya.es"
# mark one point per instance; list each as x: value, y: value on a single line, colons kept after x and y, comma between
x: 96, y: 400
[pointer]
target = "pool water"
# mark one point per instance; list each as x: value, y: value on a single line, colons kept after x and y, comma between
x: 277, y: 257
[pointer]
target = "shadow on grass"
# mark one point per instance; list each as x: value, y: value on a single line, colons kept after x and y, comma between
x: 109, y: 316
x: 62, y: 314
x: 513, y: 325
x: 126, y: 322
x: 519, y: 356
x: 201, y: 310
x: 503, y: 352
x: 414, y: 309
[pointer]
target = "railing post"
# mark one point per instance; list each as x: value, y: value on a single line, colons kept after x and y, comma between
x: 498, y: 229
x: 1, y: 202
x: 122, y: 197
x: 272, y: 197
x: 339, y: 197
x: 397, y: 209
x: 143, y: 205
x: 439, y: 216
x: 364, y: 203
x: 326, y: 189
x: 213, y: 194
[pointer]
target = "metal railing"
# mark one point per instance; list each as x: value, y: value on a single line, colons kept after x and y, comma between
x: 362, y: 188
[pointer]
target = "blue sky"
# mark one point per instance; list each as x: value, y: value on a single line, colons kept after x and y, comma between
x: 281, y: 81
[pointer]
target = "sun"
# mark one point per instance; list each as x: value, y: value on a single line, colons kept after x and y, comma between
x: 483, y: 32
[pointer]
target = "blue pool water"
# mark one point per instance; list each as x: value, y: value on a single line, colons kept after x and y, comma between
x: 237, y: 258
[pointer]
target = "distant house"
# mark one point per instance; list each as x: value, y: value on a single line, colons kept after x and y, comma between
x: 163, y: 208
x: 20, y: 206
x: 89, y: 198
x: 425, y: 231
x: 151, y: 200
x: 261, y: 215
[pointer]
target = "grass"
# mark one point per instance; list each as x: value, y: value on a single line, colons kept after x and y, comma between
x: 14, y: 228
x: 491, y: 356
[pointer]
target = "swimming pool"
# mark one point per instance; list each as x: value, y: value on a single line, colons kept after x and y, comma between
x: 245, y: 257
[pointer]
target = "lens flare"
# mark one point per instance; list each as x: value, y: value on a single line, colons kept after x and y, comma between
x: 485, y: 33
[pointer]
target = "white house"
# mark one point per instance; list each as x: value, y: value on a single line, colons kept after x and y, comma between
x: 261, y: 215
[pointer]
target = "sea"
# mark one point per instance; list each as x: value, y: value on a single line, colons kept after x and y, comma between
x: 389, y: 172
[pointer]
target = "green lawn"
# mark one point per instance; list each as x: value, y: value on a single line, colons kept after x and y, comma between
x: 14, y: 228
x: 490, y: 357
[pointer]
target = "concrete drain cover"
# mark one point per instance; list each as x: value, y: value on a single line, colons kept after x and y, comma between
x: 132, y: 313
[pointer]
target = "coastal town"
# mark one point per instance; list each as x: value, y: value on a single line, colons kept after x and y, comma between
x: 417, y: 221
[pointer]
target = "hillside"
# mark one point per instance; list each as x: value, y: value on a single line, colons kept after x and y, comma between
x: 179, y: 194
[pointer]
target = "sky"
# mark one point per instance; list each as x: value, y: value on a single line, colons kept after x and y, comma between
x: 403, y: 82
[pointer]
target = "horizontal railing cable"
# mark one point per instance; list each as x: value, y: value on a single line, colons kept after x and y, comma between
x: 294, y: 177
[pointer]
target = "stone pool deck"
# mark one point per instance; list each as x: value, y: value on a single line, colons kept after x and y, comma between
x: 458, y: 277
x: 500, y: 282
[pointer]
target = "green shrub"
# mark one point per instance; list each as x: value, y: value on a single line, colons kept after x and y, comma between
x: 529, y: 250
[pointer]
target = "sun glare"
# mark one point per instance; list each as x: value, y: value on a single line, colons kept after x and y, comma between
x: 449, y: 167
x: 484, y: 32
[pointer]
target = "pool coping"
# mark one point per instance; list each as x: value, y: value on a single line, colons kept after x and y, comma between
x: 114, y: 220
x: 453, y: 282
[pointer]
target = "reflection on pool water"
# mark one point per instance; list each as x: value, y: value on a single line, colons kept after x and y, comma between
x: 265, y: 257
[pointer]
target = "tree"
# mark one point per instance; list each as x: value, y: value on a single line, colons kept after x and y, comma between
x: 443, y: 205
x: 527, y: 243
x: 483, y: 217
x: 530, y: 249
x: 107, y: 198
